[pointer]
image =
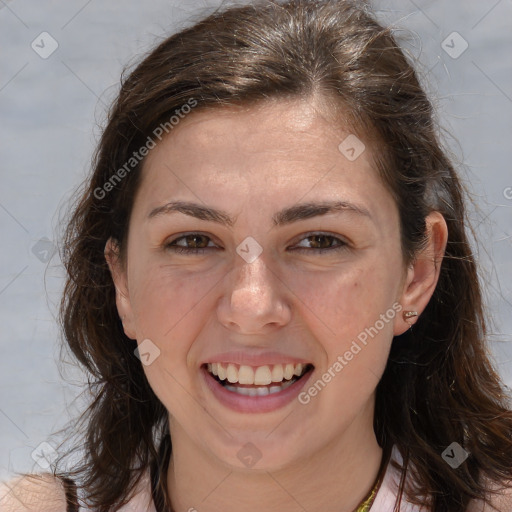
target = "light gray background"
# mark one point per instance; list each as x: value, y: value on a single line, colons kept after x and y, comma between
x: 50, y: 109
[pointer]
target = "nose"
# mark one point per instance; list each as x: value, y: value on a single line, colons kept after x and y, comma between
x: 255, y: 300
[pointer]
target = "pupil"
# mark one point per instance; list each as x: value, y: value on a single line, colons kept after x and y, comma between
x: 318, y: 244
x: 195, y: 239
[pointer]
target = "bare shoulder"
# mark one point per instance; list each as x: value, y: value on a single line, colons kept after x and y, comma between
x: 499, y: 502
x: 31, y: 493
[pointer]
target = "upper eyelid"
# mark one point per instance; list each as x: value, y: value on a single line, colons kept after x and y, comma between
x: 170, y: 240
x: 303, y: 236
x: 323, y: 233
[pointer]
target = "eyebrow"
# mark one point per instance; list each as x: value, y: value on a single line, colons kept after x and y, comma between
x: 288, y: 215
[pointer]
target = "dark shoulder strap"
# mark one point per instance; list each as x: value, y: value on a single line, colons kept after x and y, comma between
x: 158, y: 473
x: 71, y: 496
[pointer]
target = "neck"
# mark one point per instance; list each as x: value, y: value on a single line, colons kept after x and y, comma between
x: 337, y: 478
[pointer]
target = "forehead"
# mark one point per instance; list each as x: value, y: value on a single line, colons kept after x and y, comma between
x: 285, y: 128
x: 273, y: 152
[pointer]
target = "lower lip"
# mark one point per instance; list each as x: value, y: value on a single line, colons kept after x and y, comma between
x: 243, y: 403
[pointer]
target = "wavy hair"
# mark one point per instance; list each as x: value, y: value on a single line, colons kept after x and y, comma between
x: 438, y: 387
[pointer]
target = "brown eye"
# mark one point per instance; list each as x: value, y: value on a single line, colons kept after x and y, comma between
x: 193, y: 243
x: 320, y: 242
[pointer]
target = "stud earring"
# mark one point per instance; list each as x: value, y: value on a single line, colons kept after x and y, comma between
x: 409, y: 314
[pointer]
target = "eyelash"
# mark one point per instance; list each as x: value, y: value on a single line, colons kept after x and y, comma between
x: 196, y: 251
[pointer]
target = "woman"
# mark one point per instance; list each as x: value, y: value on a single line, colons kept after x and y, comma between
x: 271, y: 284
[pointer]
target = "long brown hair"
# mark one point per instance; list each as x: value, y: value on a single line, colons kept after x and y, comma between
x: 438, y: 387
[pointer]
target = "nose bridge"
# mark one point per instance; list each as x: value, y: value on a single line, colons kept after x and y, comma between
x: 253, y: 298
x: 252, y: 280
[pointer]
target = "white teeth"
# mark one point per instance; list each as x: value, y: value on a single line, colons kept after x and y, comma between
x: 262, y: 376
x: 277, y: 373
x: 232, y: 373
x: 259, y: 391
x: 245, y: 375
x: 288, y: 371
x: 222, y: 372
x: 259, y: 376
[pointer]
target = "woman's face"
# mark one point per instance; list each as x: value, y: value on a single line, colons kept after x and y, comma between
x: 255, y: 242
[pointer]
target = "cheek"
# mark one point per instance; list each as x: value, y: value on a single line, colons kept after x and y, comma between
x: 347, y: 301
x: 170, y: 307
x: 165, y: 298
x: 166, y: 306
x: 353, y: 323
x: 351, y: 316
x: 163, y: 305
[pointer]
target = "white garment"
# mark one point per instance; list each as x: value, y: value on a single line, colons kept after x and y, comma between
x: 384, y: 501
x: 143, y: 502
x: 388, y: 491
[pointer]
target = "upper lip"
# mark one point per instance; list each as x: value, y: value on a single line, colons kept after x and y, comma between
x: 261, y: 359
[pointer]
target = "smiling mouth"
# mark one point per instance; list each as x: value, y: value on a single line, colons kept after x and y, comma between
x: 257, y: 381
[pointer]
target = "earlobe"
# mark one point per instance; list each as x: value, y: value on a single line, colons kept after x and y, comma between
x: 118, y: 274
x: 423, y: 273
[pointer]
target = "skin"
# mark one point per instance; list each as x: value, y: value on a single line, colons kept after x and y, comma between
x: 252, y: 163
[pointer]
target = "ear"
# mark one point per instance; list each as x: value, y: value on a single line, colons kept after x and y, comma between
x: 118, y: 273
x: 423, y: 273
